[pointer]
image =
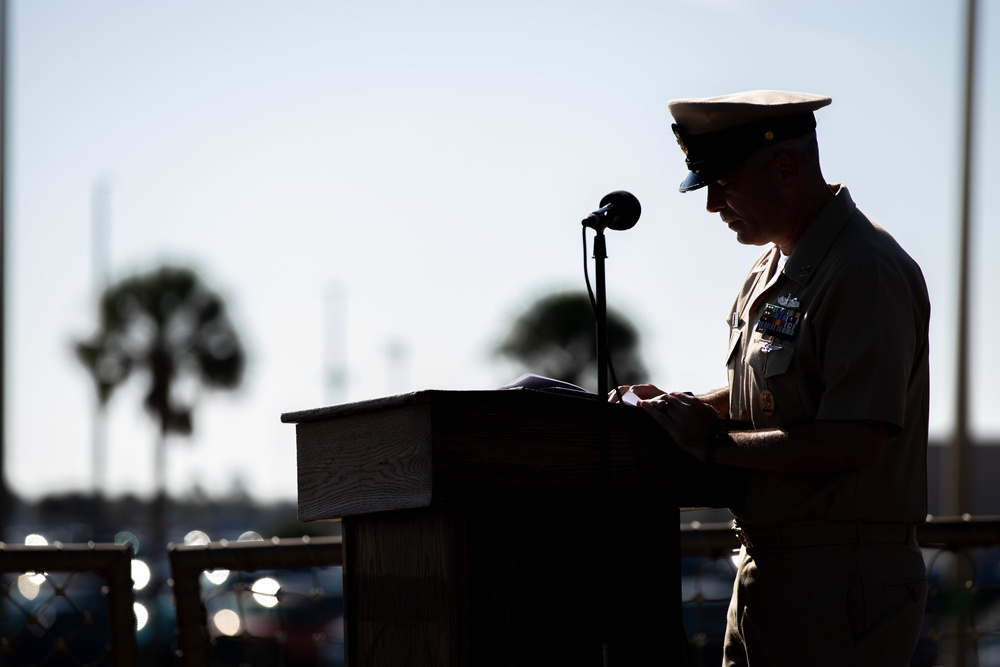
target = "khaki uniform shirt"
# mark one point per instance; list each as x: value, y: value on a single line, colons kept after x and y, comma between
x: 839, y: 333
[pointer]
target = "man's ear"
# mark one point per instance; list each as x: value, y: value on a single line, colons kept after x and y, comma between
x: 787, y: 165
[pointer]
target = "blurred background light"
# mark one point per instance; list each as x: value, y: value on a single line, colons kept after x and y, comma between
x: 28, y: 584
x: 216, y: 577
x: 140, y: 574
x: 128, y: 537
x: 141, y: 615
x: 196, y: 538
x: 265, y: 591
x: 227, y: 621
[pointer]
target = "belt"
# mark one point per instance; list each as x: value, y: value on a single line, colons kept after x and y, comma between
x: 824, y: 534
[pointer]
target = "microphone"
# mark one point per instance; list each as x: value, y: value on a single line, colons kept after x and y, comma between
x: 619, y: 210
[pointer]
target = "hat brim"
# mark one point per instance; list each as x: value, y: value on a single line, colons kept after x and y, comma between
x: 709, y: 171
x: 693, y: 181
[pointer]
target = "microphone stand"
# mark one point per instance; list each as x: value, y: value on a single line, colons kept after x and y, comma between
x: 619, y: 210
x: 601, y: 312
x: 606, y: 580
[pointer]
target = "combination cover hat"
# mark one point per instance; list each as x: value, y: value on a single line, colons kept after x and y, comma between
x: 718, y: 133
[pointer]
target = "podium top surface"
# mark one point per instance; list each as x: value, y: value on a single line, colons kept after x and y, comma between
x: 383, y: 403
x: 499, y: 448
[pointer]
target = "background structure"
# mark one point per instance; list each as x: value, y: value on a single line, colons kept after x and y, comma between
x: 379, y: 188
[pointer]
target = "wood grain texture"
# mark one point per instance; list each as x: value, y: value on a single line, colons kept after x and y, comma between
x: 361, y: 463
x: 404, y: 590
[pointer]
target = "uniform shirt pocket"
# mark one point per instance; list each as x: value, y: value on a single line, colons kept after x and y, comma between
x: 770, y: 359
x: 773, y: 386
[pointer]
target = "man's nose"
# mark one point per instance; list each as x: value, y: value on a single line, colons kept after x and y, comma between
x: 714, y: 202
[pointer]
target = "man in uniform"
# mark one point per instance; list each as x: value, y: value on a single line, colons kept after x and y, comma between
x: 828, y: 361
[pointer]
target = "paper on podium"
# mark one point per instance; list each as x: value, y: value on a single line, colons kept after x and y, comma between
x: 542, y: 383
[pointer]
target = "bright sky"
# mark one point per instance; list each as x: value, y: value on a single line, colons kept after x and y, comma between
x: 417, y: 173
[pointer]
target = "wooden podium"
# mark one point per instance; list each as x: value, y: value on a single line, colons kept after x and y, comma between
x: 480, y: 527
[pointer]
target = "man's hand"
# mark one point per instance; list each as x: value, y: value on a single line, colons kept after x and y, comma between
x: 640, y: 390
x: 691, y: 422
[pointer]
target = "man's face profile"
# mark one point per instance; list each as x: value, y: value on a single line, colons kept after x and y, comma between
x: 746, y: 201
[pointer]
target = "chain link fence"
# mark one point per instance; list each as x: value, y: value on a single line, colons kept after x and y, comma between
x: 280, y: 602
x: 66, y: 605
x: 277, y: 602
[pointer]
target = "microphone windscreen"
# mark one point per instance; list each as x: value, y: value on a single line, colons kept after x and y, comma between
x: 625, y: 210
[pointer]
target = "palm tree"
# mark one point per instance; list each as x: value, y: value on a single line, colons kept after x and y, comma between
x: 556, y: 336
x: 174, y: 331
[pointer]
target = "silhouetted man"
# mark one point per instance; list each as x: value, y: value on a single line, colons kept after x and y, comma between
x: 828, y: 361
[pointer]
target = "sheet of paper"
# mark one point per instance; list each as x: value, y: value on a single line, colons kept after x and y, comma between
x: 630, y: 398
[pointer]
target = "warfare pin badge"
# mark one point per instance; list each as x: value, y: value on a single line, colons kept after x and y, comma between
x: 788, y: 301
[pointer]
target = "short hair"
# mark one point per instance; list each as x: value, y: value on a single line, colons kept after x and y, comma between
x: 805, y: 147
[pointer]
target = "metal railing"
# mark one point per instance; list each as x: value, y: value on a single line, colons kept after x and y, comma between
x: 66, y: 604
x: 280, y: 601
x: 961, y: 620
x: 248, y: 603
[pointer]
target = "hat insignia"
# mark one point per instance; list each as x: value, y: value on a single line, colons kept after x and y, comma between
x: 680, y: 142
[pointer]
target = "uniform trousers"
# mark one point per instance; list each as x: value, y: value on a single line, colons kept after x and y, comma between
x: 839, y: 605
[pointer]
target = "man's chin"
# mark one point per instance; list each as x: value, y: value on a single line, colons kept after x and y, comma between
x: 746, y: 239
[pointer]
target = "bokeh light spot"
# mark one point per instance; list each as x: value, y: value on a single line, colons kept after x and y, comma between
x: 28, y: 585
x: 140, y: 575
x: 265, y: 591
x: 227, y: 621
x: 141, y: 615
x: 196, y: 537
x: 216, y: 577
x: 128, y: 537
